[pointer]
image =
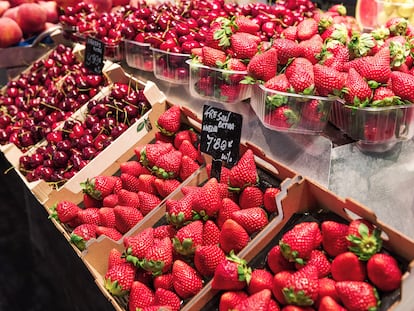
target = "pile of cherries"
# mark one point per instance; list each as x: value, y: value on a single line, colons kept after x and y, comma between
x: 41, y: 98
x: 71, y: 147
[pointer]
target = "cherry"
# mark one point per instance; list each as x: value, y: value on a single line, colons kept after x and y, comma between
x: 60, y: 158
x: 54, y: 137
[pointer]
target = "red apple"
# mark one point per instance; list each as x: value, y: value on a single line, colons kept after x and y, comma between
x: 51, y: 8
x: 31, y: 18
x: 14, y: 3
x: 10, y: 33
x: 101, y: 6
x: 11, y: 13
x: 4, y: 6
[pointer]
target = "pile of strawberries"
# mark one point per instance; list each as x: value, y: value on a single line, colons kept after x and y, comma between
x: 314, y: 266
x: 202, y: 225
x: 112, y: 205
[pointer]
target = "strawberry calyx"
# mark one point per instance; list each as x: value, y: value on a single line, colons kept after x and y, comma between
x: 131, y: 258
x: 361, y: 44
x: 78, y: 241
x: 243, y: 270
x: 163, y: 130
x: 162, y: 173
x: 288, y: 253
x: 367, y: 244
x: 276, y: 100
x: 88, y: 187
x: 399, y: 53
x: 153, y: 266
x: 240, y: 189
x: 296, y: 297
x: 114, y: 287
x: 185, y: 247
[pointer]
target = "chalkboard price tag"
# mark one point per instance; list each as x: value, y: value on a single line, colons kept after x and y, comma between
x: 94, y: 55
x: 220, y: 134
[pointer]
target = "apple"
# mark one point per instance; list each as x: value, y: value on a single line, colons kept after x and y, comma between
x: 11, y: 13
x: 31, y: 18
x: 4, y: 6
x: 116, y: 3
x: 14, y: 3
x: 101, y: 6
x: 10, y: 33
x: 51, y: 9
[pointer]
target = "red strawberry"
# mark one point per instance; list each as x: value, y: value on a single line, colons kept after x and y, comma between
x: 148, y: 202
x: 258, y: 301
x: 89, y: 201
x: 245, y: 24
x: 213, y: 57
x: 126, y: 217
x: 273, y: 305
x: 269, y: 199
x: 216, y: 37
x: 230, y: 93
x: 225, y: 212
x: 282, y: 117
x: 179, y: 211
x: 327, y: 288
x: 377, y: 67
x: 169, y: 122
x: 119, y: 278
x: 310, y: 49
x: 211, y: 233
x: 357, y: 296
x: 188, y: 238
x: 278, y: 83
x: 337, y: 57
x: 146, y: 183
x: 244, y: 173
x: 99, y: 187
x: 150, y: 153
x: 206, y: 259
x: 165, y: 187
x: 302, y: 287
x: 115, y: 258
x: 286, y: 49
x: 233, y: 236
x: 334, y: 239
x: 377, y: 128
x: 327, y: 303
x: 65, y: 211
x: 83, y: 233
x: 307, y: 29
x: 186, y: 280
x: 163, y: 231
x: 188, y: 167
x: 117, y: 185
x: 110, y: 200
x: 328, y: 81
x: 133, y: 168
x: 224, y: 175
x: 277, y: 262
x: 89, y: 216
x: 187, y: 149
x: 206, y: 86
x: 158, y: 257
x: 251, y: 196
x: 383, y: 271
x: 231, y: 274
x: 137, y: 245
x: 263, y: 66
x: 402, y: 85
x: 314, y: 113
x: 290, y: 33
x: 128, y: 198
x: 229, y: 299
x: 357, y: 90
x: 243, y: 45
x: 140, y: 296
x: 168, y: 165
x: 252, y: 219
x: 320, y: 261
x: 111, y: 233
x: 300, y: 75
x: 235, y: 64
x: 280, y: 281
x: 347, y: 267
x: 129, y: 182
x: 298, y: 243
x: 207, y: 202
x: 260, y: 279
x: 384, y: 96
x: 164, y: 297
x: 364, y: 239
x: 164, y: 281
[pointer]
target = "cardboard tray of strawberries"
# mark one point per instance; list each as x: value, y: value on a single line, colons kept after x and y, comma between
x: 203, y: 194
x: 387, y: 267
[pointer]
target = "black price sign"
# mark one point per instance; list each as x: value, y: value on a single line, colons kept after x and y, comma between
x: 94, y: 55
x: 220, y: 134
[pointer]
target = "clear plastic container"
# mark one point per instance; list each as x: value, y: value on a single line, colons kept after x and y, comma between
x: 139, y: 55
x: 387, y: 9
x: 217, y: 84
x: 376, y: 129
x: 170, y: 67
x: 289, y: 112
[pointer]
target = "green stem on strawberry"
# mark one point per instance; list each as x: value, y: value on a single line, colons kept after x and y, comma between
x: 367, y: 244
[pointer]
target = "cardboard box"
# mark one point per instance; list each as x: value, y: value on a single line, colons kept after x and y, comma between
x: 306, y: 199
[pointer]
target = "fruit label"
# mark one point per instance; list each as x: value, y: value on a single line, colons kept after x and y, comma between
x: 94, y: 55
x: 220, y: 134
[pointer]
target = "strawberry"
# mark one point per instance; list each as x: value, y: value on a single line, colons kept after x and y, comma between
x: 206, y: 86
x: 168, y: 165
x: 263, y: 66
x: 89, y: 216
x: 111, y: 233
x: 320, y: 261
x: 328, y: 81
x: 233, y: 237
x: 225, y: 212
x: 334, y: 239
x: 140, y: 296
x: 302, y: 287
x: 314, y: 112
x: 211, y: 233
x: 115, y: 258
x: 133, y: 168
x: 402, y: 85
x: 224, y: 175
x: 230, y: 92
x: 251, y: 196
x: 188, y: 167
x: 252, y: 219
x: 83, y: 233
x: 235, y: 64
x: 377, y: 67
x: 311, y: 49
x: 164, y: 297
x: 229, y: 299
x: 307, y: 29
x: 300, y: 75
x: 188, y: 238
x: 327, y: 303
x: 290, y: 33
x: 212, y: 57
x: 244, y: 173
x: 99, y: 187
x: 186, y: 280
x: 278, y: 83
x: 377, y: 128
x: 146, y: 183
x: 129, y: 182
x: 119, y: 278
x: 231, y: 274
x: 148, y: 202
x: 208, y: 201
x: 269, y: 199
x: 297, y: 243
x: 397, y: 26
x: 336, y: 57
x: 158, y: 257
x: 187, y: 149
x: 169, y: 122
x: 149, y: 154
x: 126, y: 217
x: 286, y: 49
x: 258, y: 301
x: 165, y: 187
x: 327, y: 288
x: 282, y: 117
x: 117, y: 185
x: 160, y: 137
x: 260, y: 279
x: 383, y: 271
x: 277, y: 262
x: 65, y: 211
x: 362, y: 44
x: 216, y: 37
x: 164, y: 281
x: 179, y: 211
x: 207, y: 258
x: 384, y: 96
x: 244, y: 45
x: 110, y: 200
x: 89, y: 201
x: 181, y: 136
x: 273, y: 305
x: 245, y: 24
x: 137, y: 245
x: 347, y: 267
x: 280, y: 281
x: 128, y: 198
x: 364, y: 239
x: 357, y: 296
x: 163, y: 231
x: 356, y: 89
